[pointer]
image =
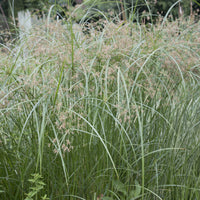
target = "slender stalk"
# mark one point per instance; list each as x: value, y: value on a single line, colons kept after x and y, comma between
x: 58, y: 86
x: 123, y: 15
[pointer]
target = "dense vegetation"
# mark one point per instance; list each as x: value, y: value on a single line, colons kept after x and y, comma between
x: 118, y: 6
x: 113, y: 114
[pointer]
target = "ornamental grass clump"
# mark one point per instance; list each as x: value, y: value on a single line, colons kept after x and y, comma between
x: 109, y: 115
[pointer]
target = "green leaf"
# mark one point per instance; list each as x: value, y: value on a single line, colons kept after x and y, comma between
x: 31, y: 180
x: 136, y: 192
x: 45, y: 197
x: 107, y: 198
x: 28, y: 198
x: 41, y: 183
x: 196, y: 2
x: 32, y: 193
x: 120, y: 187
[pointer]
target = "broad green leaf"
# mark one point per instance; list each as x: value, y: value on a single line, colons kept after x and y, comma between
x: 136, y: 192
x: 120, y: 187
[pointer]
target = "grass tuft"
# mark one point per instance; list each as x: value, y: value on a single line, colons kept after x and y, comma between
x: 109, y: 115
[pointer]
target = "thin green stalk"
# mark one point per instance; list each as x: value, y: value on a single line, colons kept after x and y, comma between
x: 72, y: 48
x: 140, y: 122
x: 59, y: 82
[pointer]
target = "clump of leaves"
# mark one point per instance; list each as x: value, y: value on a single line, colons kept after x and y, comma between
x: 38, y: 185
x: 121, y: 190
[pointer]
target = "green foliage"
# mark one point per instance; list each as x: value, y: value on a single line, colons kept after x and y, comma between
x: 36, y: 4
x: 38, y: 185
x: 123, y: 192
x: 132, y: 9
x: 112, y: 115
